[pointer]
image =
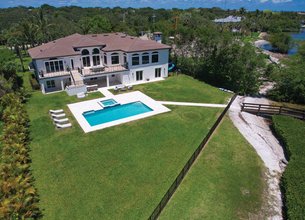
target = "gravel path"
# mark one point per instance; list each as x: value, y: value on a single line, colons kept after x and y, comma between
x: 257, y: 132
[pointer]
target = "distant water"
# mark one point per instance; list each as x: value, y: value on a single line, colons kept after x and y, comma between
x: 300, y: 36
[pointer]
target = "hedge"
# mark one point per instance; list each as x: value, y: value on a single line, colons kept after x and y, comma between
x: 291, y: 132
x: 18, y: 196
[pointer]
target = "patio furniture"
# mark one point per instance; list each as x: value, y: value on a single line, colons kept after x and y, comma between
x: 81, y: 95
x: 68, y: 125
x: 59, y: 121
x: 58, y: 115
x: 129, y: 87
x: 58, y: 111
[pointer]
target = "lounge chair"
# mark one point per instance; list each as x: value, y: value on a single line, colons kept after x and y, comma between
x: 129, y: 87
x: 81, y: 95
x: 58, y: 121
x: 59, y: 111
x: 58, y: 115
x: 64, y: 125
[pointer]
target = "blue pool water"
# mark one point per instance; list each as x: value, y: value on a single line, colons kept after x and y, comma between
x: 115, y: 113
x: 108, y: 102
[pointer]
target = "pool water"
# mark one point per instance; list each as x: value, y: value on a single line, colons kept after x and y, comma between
x: 116, y: 112
x: 108, y: 102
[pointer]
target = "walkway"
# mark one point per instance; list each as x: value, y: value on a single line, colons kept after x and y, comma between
x: 193, y: 104
x: 257, y: 132
x: 105, y: 92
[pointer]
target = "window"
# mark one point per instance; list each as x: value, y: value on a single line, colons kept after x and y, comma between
x: 105, y: 58
x: 96, y: 60
x: 86, y: 58
x: 157, y: 72
x: 54, y: 66
x: 86, y: 61
x: 155, y: 57
x: 145, y: 58
x: 72, y: 64
x: 135, y: 59
x: 139, y: 75
x: 125, y: 58
x: 50, y: 84
x: 96, y: 57
x: 115, y: 58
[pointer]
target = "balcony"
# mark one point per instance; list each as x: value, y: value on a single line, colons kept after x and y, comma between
x: 98, y: 70
x: 42, y: 74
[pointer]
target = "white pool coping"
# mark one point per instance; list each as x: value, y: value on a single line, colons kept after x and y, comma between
x: 79, y: 108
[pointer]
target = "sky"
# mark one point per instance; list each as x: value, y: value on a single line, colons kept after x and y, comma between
x: 276, y: 5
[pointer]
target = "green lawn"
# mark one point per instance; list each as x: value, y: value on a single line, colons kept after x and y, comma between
x: 225, y: 183
x: 183, y: 88
x: 117, y: 173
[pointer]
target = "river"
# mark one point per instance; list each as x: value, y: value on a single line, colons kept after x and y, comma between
x: 300, y: 36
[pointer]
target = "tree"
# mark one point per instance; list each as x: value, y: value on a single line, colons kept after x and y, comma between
x: 281, y: 41
x: 290, y: 80
x: 99, y: 24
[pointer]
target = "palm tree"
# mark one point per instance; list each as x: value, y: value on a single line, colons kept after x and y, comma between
x: 15, y: 39
x: 42, y: 26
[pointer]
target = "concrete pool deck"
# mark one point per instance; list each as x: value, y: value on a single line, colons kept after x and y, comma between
x: 79, y: 108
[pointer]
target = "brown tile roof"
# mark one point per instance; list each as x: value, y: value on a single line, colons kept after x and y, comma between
x: 110, y: 42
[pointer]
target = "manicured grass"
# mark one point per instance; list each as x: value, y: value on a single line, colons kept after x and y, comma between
x: 292, y: 132
x: 183, y: 88
x: 225, y: 182
x: 116, y: 173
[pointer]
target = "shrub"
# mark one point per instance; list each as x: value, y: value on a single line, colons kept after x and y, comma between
x: 35, y: 85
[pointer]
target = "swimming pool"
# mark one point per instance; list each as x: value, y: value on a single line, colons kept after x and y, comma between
x: 108, y: 103
x: 116, y: 112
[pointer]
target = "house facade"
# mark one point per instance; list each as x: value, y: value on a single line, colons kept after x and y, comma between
x: 78, y: 63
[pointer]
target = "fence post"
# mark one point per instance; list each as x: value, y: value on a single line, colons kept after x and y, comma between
x: 259, y: 108
x: 242, y: 107
x: 280, y: 111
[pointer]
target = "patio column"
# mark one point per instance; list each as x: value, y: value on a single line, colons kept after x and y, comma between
x: 62, y: 85
x: 107, y: 80
x: 42, y: 88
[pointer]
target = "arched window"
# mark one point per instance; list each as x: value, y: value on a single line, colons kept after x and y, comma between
x: 95, y: 51
x: 155, y: 57
x: 85, y: 52
x: 86, y: 58
x: 96, y: 57
x: 145, y: 58
x: 115, y: 59
x: 135, y: 59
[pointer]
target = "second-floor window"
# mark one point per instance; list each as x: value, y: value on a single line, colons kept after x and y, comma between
x: 115, y: 59
x: 54, y: 66
x: 135, y: 59
x: 86, y: 58
x: 155, y: 57
x: 96, y: 57
x: 145, y: 58
x: 105, y: 58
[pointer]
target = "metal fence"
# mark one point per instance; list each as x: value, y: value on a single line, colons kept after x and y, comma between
x: 187, y: 166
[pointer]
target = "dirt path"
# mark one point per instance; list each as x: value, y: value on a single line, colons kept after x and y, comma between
x: 258, y: 133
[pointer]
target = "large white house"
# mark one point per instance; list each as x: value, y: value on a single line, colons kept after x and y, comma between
x: 79, y: 62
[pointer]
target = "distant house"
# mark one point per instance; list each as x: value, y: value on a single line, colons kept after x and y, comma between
x: 77, y: 62
x: 229, y: 19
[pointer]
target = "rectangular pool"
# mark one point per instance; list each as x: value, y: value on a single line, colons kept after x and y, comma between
x: 116, y: 112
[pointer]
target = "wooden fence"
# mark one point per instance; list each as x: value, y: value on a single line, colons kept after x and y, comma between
x: 187, y: 166
x: 268, y: 110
